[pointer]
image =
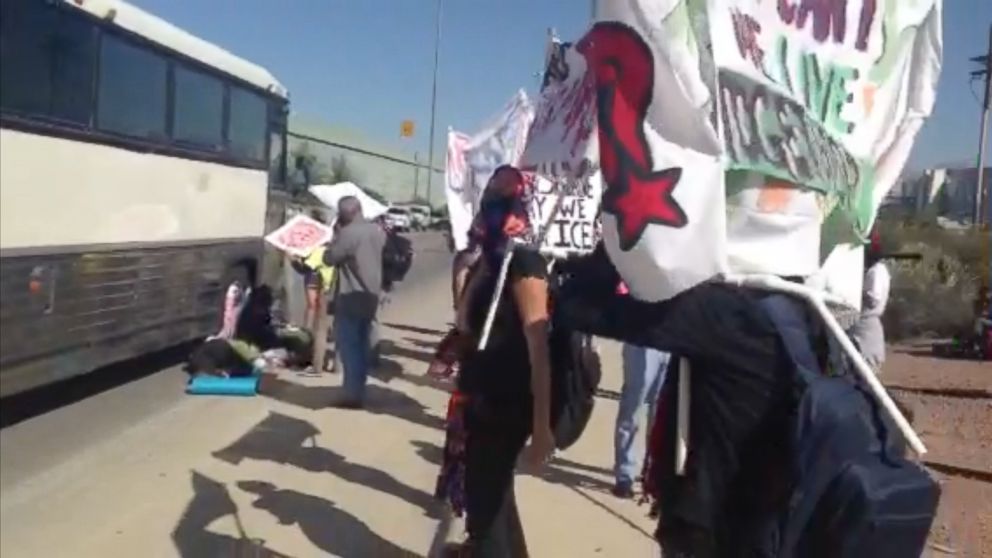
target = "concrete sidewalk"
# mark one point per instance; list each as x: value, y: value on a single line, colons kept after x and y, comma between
x: 285, y: 475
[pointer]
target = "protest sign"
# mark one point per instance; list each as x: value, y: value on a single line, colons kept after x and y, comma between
x: 565, y: 214
x: 300, y: 236
x: 562, y: 141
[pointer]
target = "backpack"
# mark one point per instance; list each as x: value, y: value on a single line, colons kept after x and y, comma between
x: 576, y: 371
x: 397, y: 258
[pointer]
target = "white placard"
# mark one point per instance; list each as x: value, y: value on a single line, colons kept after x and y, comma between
x: 300, y: 236
x: 565, y: 214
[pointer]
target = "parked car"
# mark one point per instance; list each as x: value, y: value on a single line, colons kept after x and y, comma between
x: 398, y: 218
x: 420, y: 216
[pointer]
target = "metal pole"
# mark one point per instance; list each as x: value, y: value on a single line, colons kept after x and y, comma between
x: 416, y: 174
x: 979, y: 187
x: 430, y: 149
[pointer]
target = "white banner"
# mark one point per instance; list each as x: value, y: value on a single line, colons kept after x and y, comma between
x: 741, y: 135
x: 829, y: 98
x: 664, y: 217
x: 562, y: 141
x: 500, y: 142
x: 459, y: 191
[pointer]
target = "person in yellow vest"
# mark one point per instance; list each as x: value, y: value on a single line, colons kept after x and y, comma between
x: 319, y: 279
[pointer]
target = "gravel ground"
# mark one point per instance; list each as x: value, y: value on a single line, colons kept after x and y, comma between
x: 952, y: 404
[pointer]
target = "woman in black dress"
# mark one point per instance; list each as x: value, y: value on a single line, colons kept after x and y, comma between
x: 507, y: 385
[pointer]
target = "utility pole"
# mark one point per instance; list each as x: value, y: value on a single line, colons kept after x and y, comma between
x: 986, y: 62
x: 416, y: 175
x: 430, y: 148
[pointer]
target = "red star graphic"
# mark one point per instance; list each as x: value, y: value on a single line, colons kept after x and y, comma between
x: 637, y: 195
x: 638, y: 199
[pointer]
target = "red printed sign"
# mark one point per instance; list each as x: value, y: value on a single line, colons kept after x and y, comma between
x: 300, y: 236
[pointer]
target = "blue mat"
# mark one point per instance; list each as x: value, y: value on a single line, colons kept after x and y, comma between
x: 215, y: 385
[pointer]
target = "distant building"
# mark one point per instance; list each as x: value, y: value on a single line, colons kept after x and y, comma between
x: 948, y: 194
x: 396, y: 175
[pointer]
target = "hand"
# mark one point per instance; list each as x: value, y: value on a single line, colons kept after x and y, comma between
x: 540, y: 449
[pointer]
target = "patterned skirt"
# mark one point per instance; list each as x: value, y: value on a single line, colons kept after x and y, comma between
x: 451, y: 479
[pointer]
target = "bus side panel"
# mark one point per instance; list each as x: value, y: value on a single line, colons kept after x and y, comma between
x: 59, y: 192
x: 63, y: 315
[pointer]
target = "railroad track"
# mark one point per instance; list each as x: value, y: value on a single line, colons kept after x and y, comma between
x: 959, y: 471
x: 960, y: 393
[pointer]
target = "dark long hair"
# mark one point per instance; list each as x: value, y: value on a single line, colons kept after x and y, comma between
x: 502, y: 216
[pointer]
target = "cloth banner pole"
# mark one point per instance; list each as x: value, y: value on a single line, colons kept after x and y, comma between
x: 501, y: 280
x: 682, y: 421
x: 819, y: 301
x: 494, y: 303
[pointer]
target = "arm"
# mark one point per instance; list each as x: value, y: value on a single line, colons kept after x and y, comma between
x: 531, y: 296
x: 299, y: 266
x: 340, y: 249
x: 459, y: 275
x: 876, y: 288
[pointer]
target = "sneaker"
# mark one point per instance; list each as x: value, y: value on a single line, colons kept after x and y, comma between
x: 624, y: 490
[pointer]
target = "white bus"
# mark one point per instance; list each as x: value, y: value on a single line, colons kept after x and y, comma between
x: 135, y: 161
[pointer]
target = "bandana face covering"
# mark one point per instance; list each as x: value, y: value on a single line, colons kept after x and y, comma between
x: 500, y: 218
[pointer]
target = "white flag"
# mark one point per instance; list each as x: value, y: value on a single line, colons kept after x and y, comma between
x: 459, y: 191
x: 744, y: 135
x: 473, y: 159
x: 819, y: 108
x: 562, y: 142
x: 664, y: 223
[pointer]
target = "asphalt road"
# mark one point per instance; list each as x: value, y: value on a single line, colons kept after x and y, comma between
x: 84, y: 412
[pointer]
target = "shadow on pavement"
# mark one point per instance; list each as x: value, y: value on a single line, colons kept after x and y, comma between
x: 389, y: 370
x: 552, y: 473
x: 328, y: 527
x: 416, y: 329
x: 211, y: 501
x: 379, y: 400
x: 282, y: 439
x: 608, y: 394
x: 27, y: 405
x: 582, y: 466
x: 392, y: 349
x: 430, y: 345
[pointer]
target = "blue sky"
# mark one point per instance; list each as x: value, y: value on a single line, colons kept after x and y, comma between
x: 366, y: 64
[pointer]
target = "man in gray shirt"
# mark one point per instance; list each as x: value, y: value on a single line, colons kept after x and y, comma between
x: 357, y: 252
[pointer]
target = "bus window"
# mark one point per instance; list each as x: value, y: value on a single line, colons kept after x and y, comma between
x: 46, y: 61
x: 277, y: 146
x: 198, y: 112
x: 247, y: 127
x: 132, y: 90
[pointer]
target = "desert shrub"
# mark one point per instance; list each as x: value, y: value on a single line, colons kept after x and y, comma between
x: 934, y: 296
